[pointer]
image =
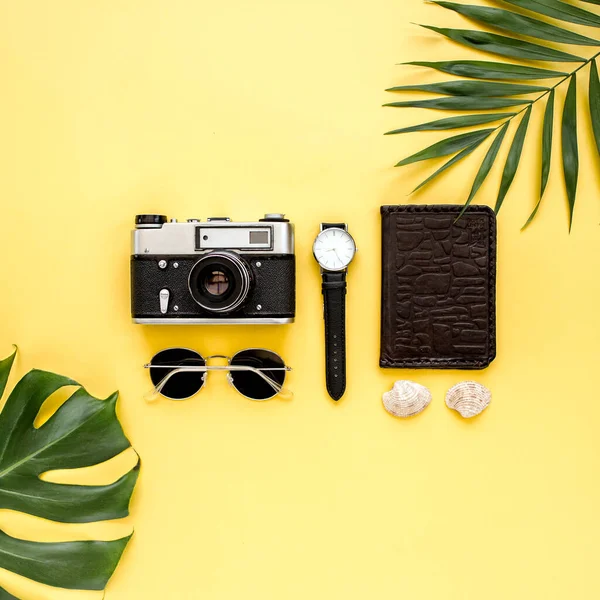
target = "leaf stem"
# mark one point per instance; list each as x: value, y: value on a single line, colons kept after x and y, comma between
x: 587, y: 62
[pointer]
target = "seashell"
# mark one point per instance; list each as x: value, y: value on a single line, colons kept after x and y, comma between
x: 406, y: 399
x: 468, y: 398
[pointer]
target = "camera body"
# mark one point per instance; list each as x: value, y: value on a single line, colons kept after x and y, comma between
x: 213, y: 272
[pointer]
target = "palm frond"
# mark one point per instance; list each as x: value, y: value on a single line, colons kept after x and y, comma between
x: 523, y: 25
x: 447, y: 146
x: 489, y: 85
x: 453, y: 123
x: 504, y: 46
x: 559, y: 10
x: 569, y: 144
x: 486, y: 165
x: 456, y: 158
x: 468, y: 150
x: 482, y: 69
x: 594, y: 102
x: 461, y: 103
x: 486, y: 89
x: 514, y: 156
x: 547, y: 134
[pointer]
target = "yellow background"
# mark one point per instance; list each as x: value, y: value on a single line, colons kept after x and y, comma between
x: 196, y: 108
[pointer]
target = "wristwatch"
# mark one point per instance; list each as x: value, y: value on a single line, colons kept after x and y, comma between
x: 334, y: 250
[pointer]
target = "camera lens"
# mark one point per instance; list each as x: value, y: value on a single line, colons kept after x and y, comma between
x: 220, y: 281
x: 216, y: 283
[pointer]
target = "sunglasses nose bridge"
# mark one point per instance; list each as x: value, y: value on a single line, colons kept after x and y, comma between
x: 219, y: 356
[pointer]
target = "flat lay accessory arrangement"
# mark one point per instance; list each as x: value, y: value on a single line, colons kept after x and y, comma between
x: 437, y: 295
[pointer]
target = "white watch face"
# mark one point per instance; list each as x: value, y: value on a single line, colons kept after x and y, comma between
x: 334, y: 249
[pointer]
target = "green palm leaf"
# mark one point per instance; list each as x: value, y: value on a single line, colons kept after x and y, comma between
x: 547, y: 134
x: 482, y: 69
x: 519, y: 24
x: 559, y: 10
x: 468, y: 150
x: 453, y: 123
x: 446, y: 147
x: 570, y: 151
x: 472, y: 88
x: 486, y: 165
x: 83, y: 432
x: 461, y: 103
x: 493, y: 84
x: 548, y: 131
x: 505, y: 46
x: 595, y: 102
x: 514, y: 156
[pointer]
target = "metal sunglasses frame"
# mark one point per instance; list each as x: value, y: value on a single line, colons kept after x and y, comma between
x: 178, y: 368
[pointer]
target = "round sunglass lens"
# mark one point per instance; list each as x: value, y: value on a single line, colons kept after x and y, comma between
x: 183, y: 384
x: 251, y: 384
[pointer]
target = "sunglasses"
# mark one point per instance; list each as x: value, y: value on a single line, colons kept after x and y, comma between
x: 180, y: 373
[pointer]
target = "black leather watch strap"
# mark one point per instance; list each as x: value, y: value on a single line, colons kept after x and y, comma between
x: 336, y: 225
x: 334, y: 313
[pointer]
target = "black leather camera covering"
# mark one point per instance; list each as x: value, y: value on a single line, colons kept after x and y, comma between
x: 438, y: 287
x: 273, y: 287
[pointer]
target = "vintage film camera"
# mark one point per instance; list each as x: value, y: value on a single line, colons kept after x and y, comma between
x: 213, y: 272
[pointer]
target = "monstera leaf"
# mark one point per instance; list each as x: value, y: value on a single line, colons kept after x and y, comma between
x: 493, y: 84
x: 83, y: 432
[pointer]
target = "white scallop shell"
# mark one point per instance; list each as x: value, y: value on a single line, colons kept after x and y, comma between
x: 406, y: 399
x: 469, y: 398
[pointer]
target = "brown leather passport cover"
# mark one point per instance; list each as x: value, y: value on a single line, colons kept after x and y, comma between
x: 438, y: 287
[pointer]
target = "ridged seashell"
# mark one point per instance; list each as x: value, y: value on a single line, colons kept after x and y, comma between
x: 468, y: 398
x: 406, y: 399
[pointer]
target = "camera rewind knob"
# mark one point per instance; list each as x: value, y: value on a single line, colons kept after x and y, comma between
x: 277, y: 217
x: 149, y: 221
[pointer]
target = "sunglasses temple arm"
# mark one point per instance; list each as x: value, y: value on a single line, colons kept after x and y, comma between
x: 283, y: 392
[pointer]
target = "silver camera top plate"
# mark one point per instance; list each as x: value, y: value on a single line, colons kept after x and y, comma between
x: 175, y: 238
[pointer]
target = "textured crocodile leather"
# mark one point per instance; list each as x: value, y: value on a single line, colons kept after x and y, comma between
x: 438, y: 287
